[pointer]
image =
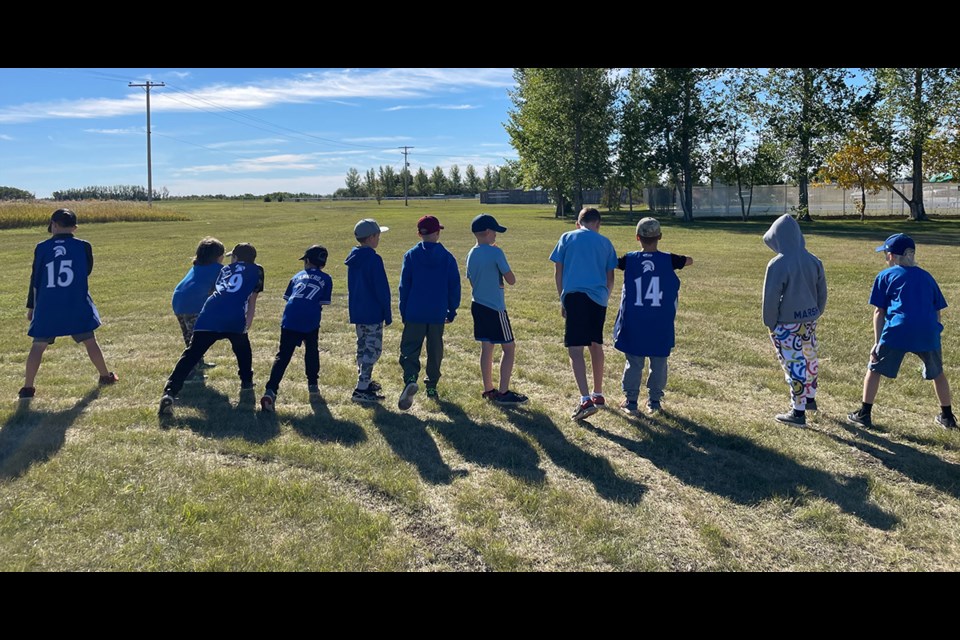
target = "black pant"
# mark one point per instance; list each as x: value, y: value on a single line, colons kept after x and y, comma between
x: 199, y: 344
x: 289, y: 341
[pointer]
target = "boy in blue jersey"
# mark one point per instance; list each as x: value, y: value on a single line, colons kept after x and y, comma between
x: 644, y: 327
x: 584, y: 261
x: 226, y: 315
x: 429, y: 298
x: 306, y: 295
x: 369, y: 305
x: 487, y: 270
x: 908, y: 302
x: 59, y: 302
x: 192, y: 291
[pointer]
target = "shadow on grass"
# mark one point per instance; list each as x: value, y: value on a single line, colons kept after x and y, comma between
x: 407, y: 435
x: 219, y: 417
x: 917, y: 465
x: 30, y: 437
x: 489, y: 445
x: 323, y: 427
x: 595, y: 469
x: 740, y: 470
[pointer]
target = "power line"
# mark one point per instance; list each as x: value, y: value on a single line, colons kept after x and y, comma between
x: 148, y: 85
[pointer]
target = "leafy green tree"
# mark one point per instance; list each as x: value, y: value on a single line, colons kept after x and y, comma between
x: 454, y: 181
x: 353, y: 182
x: 421, y: 183
x: 388, y: 178
x: 374, y: 186
x: 472, y: 180
x: 489, y: 181
x: 859, y: 163
x: 438, y: 180
x: 12, y: 193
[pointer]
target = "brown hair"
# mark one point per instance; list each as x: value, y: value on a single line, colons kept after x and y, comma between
x: 208, y: 251
x: 588, y: 216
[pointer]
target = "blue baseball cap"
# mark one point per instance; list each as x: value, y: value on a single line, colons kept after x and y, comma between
x: 486, y: 221
x: 897, y: 244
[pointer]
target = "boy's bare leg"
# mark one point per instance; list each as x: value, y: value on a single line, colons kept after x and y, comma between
x: 33, y: 363
x: 579, y: 366
x: 506, y: 365
x: 96, y: 356
x: 486, y: 364
x: 871, y: 383
x: 942, y: 388
x: 596, y: 363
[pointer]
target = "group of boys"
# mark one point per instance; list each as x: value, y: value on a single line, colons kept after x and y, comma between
x: 217, y: 302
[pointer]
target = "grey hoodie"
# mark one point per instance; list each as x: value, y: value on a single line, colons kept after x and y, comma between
x: 794, y: 287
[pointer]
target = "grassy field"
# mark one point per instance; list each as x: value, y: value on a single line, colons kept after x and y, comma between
x: 37, y: 213
x: 90, y: 480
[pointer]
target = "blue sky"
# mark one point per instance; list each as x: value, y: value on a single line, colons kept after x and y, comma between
x: 236, y: 131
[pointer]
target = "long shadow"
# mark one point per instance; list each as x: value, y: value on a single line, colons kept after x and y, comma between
x: 219, y: 417
x: 917, y: 465
x: 31, y: 437
x: 407, y: 435
x: 323, y: 427
x: 595, y: 469
x: 740, y: 470
x: 489, y: 445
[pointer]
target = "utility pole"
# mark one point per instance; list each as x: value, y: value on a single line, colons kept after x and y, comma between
x: 406, y: 172
x: 147, y: 85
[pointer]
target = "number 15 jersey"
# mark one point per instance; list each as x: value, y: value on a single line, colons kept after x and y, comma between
x: 59, y: 297
x: 648, y: 303
x: 225, y: 310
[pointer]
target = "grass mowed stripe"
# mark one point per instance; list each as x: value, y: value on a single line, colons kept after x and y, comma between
x: 91, y: 480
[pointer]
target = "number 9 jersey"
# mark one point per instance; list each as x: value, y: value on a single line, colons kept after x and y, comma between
x: 226, y: 308
x: 61, y: 302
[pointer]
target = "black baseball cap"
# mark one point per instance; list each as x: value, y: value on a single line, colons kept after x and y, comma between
x: 63, y: 217
x: 316, y: 254
x: 485, y: 221
x: 244, y: 252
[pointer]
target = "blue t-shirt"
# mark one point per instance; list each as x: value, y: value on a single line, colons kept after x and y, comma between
x: 190, y: 294
x: 61, y: 303
x: 648, y: 303
x: 912, y: 299
x: 225, y: 311
x: 486, y: 265
x: 306, y: 294
x: 586, y: 257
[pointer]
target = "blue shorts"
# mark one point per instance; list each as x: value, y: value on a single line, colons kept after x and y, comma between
x: 889, y: 361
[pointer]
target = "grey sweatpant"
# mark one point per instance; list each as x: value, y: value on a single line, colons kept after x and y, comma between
x: 369, y: 348
x: 633, y: 373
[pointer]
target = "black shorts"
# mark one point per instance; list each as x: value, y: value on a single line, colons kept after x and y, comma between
x: 490, y: 325
x: 585, y: 319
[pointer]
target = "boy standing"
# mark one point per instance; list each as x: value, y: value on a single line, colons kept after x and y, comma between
x: 584, y: 262
x: 429, y: 298
x: 908, y: 302
x: 307, y: 293
x: 226, y: 315
x: 369, y: 305
x: 59, y: 302
x: 487, y: 270
x: 794, y: 295
x: 648, y: 308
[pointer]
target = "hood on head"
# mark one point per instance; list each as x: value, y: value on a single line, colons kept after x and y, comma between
x: 784, y: 235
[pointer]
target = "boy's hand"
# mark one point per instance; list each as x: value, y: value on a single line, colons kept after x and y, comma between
x: 873, y: 354
x: 563, y: 311
x: 29, y: 315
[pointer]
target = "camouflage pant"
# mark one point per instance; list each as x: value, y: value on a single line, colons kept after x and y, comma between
x: 369, y: 348
x: 187, y: 320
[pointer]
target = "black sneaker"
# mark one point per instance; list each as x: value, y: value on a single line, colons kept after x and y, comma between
x: 860, y: 419
x: 792, y: 417
x: 313, y: 390
x: 268, y: 401
x: 246, y: 386
x: 374, y: 386
x: 406, y: 396
x: 110, y: 378
x: 509, y: 397
x: 26, y: 392
x: 811, y: 404
x: 432, y: 393
x: 490, y: 395
x: 366, y: 395
x: 947, y: 422
x: 653, y: 407
x: 166, y: 405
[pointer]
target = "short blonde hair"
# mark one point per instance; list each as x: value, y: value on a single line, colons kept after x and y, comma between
x: 908, y: 259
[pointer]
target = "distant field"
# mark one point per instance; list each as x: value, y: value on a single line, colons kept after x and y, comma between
x: 37, y: 214
x: 90, y: 480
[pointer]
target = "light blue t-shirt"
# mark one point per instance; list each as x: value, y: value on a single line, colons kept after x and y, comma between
x: 586, y: 257
x: 486, y: 265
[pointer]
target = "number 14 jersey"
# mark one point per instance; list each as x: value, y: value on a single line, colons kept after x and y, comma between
x: 648, y: 303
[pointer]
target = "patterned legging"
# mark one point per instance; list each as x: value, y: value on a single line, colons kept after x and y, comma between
x: 796, y: 345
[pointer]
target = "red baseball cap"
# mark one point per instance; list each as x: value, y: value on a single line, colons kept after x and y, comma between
x: 428, y: 224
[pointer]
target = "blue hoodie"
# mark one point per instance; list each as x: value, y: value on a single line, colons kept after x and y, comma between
x: 429, y: 284
x: 367, y: 287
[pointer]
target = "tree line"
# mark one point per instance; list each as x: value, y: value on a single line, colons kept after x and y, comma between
x: 625, y: 129
x: 385, y: 181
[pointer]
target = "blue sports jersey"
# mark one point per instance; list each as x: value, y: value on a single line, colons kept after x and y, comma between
x: 648, y: 305
x: 190, y: 294
x: 306, y: 294
x: 62, y: 305
x: 225, y: 310
x: 911, y: 298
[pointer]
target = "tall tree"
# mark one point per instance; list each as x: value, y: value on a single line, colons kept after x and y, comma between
x: 353, y: 182
x: 388, y: 178
x: 561, y: 125
x: 373, y: 184
x: 807, y: 108
x: 454, y: 181
x: 421, y: 183
x: 437, y: 180
x: 472, y: 180
x: 488, y: 181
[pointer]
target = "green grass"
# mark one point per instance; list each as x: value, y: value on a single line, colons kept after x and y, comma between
x: 91, y: 480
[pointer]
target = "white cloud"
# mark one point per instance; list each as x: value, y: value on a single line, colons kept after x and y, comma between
x: 281, y: 162
x: 116, y: 132
x: 4, y: 136
x: 321, y: 184
x: 379, y: 139
x: 451, y: 107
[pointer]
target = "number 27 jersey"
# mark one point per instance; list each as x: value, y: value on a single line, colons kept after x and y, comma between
x: 226, y: 309
x: 648, y: 304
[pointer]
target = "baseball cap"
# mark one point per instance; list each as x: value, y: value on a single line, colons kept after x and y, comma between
x: 897, y: 244
x: 367, y: 227
x: 244, y: 252
x: 648, y: 228
x: 485, y: 221
x: 428, y: 224
x: 316, y: 254
x: 63, y: 217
